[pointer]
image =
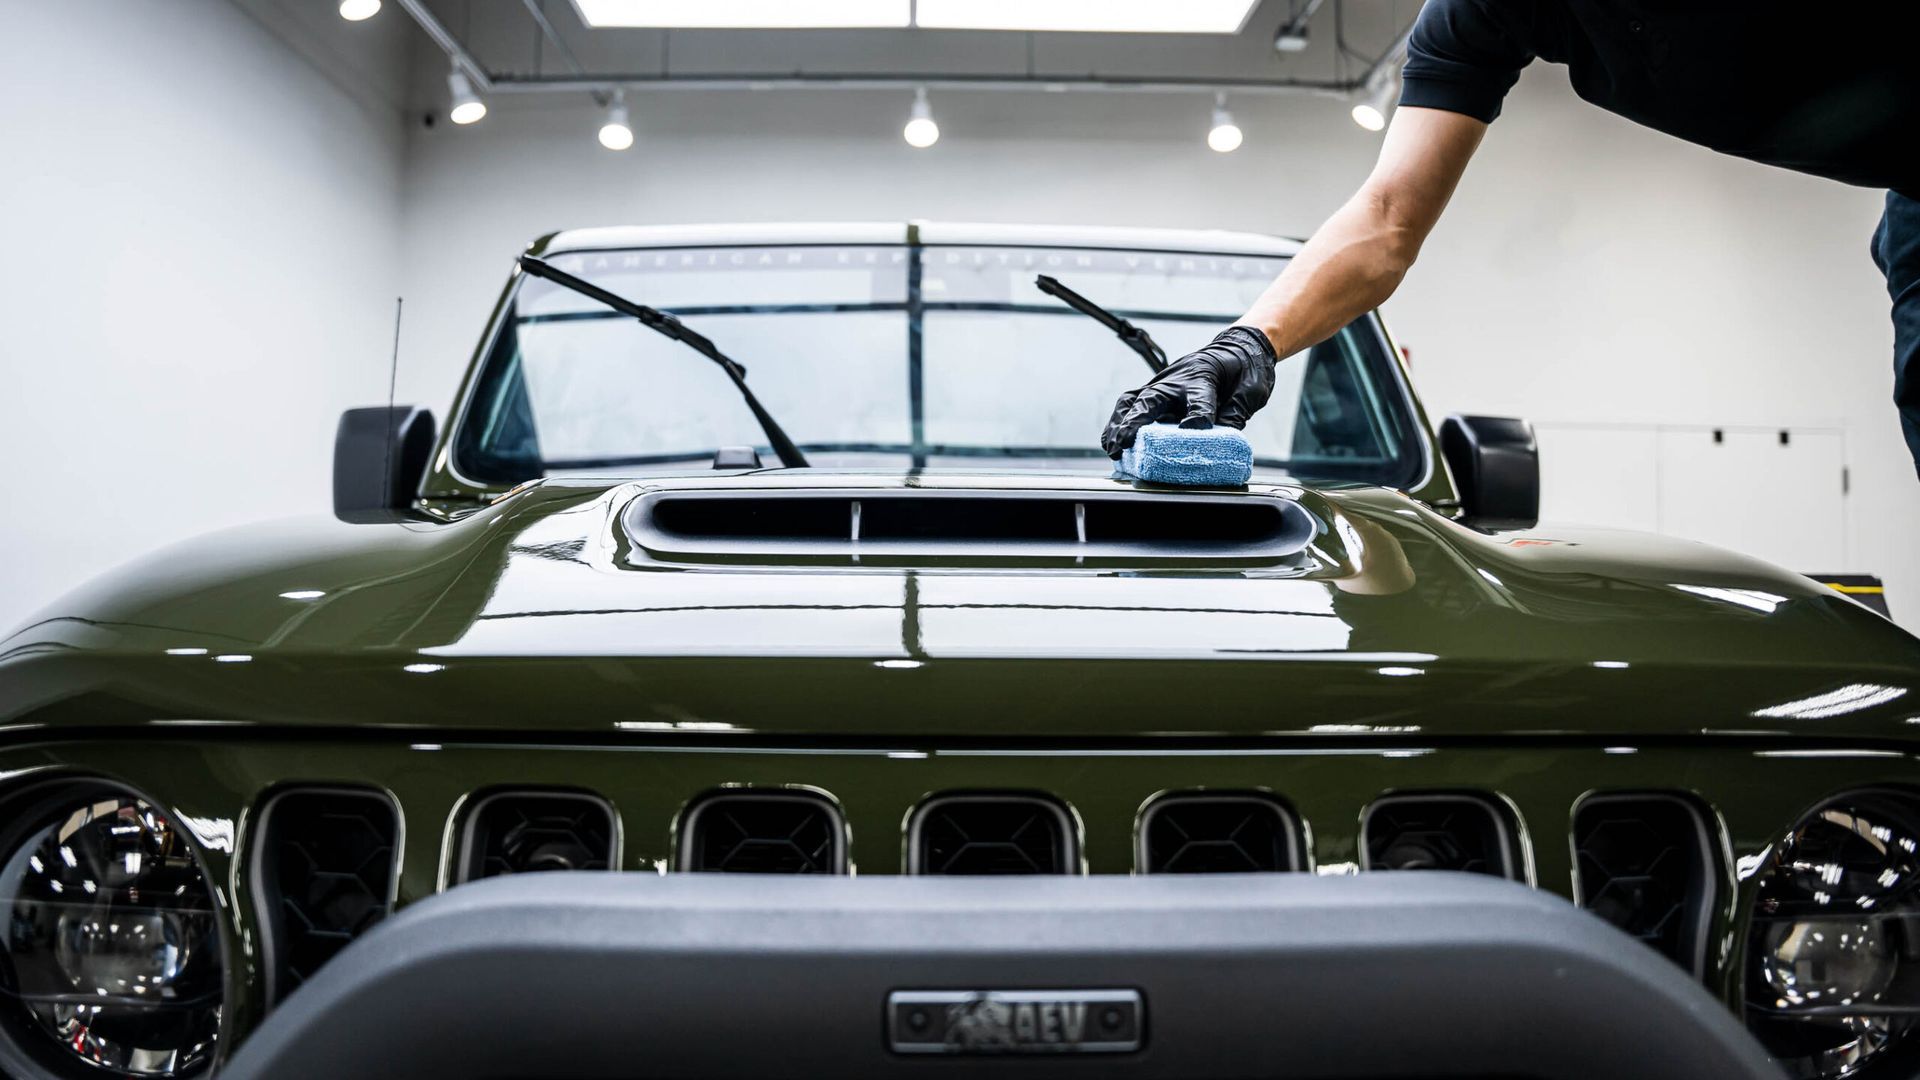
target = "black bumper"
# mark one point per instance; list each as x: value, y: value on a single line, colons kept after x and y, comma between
x: 626, y: 975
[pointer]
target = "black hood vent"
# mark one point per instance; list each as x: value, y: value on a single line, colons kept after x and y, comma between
x: 1466, y: 833
x: 991, y: 834
x: 1646, y: 865
x: 324, y: 873
x: 1208, y: 833
x: 763, y: 832
x: 521, y: 832
x: 916, y: 526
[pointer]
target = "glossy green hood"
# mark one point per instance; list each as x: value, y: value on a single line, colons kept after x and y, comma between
x: 531, y: 615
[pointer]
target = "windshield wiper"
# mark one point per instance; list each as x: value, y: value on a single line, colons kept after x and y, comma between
x: 1137, y: 339
x: 663, y: 323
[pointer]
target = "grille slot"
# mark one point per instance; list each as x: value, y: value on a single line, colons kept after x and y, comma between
x: 1645, y: 864
x: 752, y: 519
x: 1226, y: 522
x: 519, y: 832
x: 1218, y: 834
x: 916, y: 526
x: 966, y: 520
x: 991, y: 834
x: 325, y: 874
x: 1439, y: 832
x: 763, y: 832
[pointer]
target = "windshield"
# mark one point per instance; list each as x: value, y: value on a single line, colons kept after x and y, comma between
x: 893, y: 356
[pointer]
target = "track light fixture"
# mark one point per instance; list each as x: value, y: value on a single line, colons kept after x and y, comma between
x: 921, y: 132
x: 1377, y: 96
x: 1225, y: 136
x: 358, y: 10
x: 617, y: 133
x: 467, y: 106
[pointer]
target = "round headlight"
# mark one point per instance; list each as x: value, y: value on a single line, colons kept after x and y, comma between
x: 1833, y: 955
x: 110, y: 956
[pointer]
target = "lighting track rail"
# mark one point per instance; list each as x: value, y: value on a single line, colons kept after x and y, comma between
x: 827, y: 80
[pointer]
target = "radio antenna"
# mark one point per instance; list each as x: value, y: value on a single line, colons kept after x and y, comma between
x: 393, y: 379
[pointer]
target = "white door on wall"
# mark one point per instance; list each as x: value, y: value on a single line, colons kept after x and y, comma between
x: 1752, y: 490
x: 1781, y: 498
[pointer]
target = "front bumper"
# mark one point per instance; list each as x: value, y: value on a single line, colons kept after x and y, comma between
x: 615, y: 975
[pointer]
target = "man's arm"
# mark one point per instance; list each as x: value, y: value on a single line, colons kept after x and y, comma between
x: 1357, y: 258
x: 1352, y: 264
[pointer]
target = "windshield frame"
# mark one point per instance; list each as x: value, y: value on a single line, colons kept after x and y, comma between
x: 1420, y: 475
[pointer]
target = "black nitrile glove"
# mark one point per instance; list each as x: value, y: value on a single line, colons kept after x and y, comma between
x: 1237, y: 365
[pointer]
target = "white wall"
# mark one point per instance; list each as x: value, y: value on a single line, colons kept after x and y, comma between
x: 202, y: 239
x: 1589, y: 270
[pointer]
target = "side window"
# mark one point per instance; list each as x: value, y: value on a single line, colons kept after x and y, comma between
x: 1342, y: 416
x: 498, y: 443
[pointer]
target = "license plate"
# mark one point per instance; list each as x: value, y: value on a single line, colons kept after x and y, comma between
x: 1015, y: 1021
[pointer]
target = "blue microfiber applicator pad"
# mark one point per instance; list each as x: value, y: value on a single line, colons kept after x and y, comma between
x: 1190, y: 457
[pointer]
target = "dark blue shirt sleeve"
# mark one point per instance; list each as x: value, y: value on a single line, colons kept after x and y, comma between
x: 1464, y: 55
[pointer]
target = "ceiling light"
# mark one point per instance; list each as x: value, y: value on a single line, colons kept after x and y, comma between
x: 1376, y: 97
x: 1104, y: 16
x: 467, y: 106
x: 921, y: 132
x: 616, y: 133
x: 746, y: 14
x: 356, y: 10
x: 1225, y: 136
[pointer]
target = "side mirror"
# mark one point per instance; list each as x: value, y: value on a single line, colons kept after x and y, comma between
x: 379, y: 458
x: 1497, y: 465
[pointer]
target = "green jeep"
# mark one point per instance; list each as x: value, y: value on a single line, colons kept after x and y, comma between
x: 774, y: 550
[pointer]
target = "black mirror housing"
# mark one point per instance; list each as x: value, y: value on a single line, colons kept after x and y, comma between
x: 379, y: 459
x: 1496, y: 463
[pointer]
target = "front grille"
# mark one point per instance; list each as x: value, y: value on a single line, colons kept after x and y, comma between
x: 325, y: 875
x: 1646, y: 865
x: 991, y: 834
x: 1209, y: 833
x: 763, y: 832
x: 1439, y: 832
x: 519, y: 832
x: 286, y: 842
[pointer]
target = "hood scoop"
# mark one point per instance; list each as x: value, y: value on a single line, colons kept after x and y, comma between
x: 918, y: 526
